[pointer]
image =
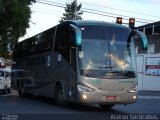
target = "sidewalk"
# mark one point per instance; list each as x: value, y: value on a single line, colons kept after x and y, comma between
x: 149, y: 94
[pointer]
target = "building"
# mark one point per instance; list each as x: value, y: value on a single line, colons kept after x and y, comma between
x: 152, y: 32
x: 148, y: 61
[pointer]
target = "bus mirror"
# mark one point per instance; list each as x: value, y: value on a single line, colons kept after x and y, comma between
x: 143, y: 39
x: 78, y: 35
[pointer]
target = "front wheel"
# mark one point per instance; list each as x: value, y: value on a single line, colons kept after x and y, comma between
x: 106, y: 106
x: 59, y: 96
x: 21, y: 89
x: 5, y: 90
x: 9, y: 90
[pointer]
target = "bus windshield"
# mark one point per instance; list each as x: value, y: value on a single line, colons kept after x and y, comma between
x: 105, y: 52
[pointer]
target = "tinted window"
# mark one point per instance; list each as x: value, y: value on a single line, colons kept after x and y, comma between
x: 1, y: 73
x: 93, y: 32
x: 36, y: 44
x: 62, y: 42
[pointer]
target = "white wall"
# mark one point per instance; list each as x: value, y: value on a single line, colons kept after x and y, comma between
x: 147, y: 82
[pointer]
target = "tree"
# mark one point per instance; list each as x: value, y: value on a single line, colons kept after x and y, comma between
x: 70, y: 12
x: 14, y: 19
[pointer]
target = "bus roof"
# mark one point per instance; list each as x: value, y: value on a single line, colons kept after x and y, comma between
x: 90, y: 22
x: 86, y: 22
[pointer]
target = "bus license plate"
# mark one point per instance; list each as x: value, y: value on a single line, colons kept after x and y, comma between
x: 111, y: 97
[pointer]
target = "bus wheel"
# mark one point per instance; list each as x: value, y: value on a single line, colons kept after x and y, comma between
x: 59, y: 96
x: 9, y: 90
x: 106, y: 106
x: 4, y: 90
x: 21, y: 89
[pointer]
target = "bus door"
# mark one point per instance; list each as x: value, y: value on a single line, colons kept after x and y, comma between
x: 64, y: 46
x: 72, y: 68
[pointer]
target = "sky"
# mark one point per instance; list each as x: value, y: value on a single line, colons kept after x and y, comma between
x: 46, y: 16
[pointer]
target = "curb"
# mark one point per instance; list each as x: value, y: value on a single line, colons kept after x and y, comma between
x: 149, y: 97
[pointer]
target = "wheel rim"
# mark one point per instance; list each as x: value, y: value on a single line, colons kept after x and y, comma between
x: 60, y: 96
x: 21, y: 89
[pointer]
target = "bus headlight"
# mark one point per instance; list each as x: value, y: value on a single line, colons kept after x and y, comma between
x: 83, y: 88
x: 133, y: 90
x: 134, y: 97
x: 84, y: 97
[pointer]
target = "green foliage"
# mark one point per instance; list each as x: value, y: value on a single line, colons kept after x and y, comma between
x: 70, y: 12
x: 14, y: 19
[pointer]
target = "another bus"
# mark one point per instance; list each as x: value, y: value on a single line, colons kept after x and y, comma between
x: 87, y: 62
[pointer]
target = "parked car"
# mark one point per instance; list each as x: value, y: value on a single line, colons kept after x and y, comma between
x: 5, y: 80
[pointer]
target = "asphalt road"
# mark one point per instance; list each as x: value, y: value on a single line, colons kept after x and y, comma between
x: 12, y: 107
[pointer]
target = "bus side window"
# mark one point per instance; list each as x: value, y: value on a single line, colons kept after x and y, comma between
x: 62, y: 41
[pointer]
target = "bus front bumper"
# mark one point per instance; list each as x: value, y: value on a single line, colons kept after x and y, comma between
x: 105, y: 97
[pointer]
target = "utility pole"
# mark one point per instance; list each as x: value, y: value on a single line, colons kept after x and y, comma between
x: 75, y: 10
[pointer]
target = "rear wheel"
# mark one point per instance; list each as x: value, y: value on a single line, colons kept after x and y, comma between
x: 4, y: 90
x: 9, y: 90
x: 21, y: 89
x: 59, y: 95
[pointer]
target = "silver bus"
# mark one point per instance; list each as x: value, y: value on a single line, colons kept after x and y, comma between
x: 87, y: 62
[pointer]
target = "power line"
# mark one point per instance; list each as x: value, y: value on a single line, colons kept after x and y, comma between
x: 45, y: 12
x: 95, y: 11
x: 83, y: 11
x: 121, y: 10
x: 51, y: 4
x: 109, y: 8
x: 117, y: 14
x: 111, y: 16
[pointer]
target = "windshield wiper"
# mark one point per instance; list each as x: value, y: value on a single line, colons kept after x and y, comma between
x: 91, y: 72
x: 120, y: 73
x: 129, y: 73
x: 87, y: 72
x: 105, y: 67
